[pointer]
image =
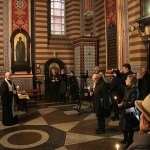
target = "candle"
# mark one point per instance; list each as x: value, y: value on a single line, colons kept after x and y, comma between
x: 17, y: 87
x: 117, y: 146
x: 115, y: 97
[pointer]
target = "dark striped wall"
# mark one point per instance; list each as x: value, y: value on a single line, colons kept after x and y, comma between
x: 137, y: 44
x: 99, y: 22
x: 1, y: 35
x: 60, y: 45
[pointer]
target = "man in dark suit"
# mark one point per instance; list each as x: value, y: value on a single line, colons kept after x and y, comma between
x: 100, y: 101
x: 146, y: 76
x: 126, y: 70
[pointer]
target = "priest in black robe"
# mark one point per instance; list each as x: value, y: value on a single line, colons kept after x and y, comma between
x: 8, y: 98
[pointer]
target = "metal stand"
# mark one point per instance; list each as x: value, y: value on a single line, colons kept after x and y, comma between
x: 81, y: 96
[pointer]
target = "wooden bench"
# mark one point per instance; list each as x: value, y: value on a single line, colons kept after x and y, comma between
x: 34, y: 94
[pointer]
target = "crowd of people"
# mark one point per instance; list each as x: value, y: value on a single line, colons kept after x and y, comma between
x: 124, y: 89
x: 61, y: 84
x: 125, y: 94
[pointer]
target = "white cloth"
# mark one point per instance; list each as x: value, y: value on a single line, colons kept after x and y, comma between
x: 11, y: 88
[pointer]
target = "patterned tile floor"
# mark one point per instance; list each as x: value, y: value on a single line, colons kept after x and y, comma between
x: 56, y: 126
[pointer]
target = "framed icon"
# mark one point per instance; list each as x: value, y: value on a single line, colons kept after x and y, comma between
x: 20, y: 51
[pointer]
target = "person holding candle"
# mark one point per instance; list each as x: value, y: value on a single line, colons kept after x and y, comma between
x: 127, y: 107
x: 100, y: 101
x: 142, y: 142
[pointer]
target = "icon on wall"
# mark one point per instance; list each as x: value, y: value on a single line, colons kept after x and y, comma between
x: 38, y: 69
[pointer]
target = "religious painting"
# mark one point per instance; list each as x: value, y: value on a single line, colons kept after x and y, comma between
x: 20, y: 49
x: 38, y: 69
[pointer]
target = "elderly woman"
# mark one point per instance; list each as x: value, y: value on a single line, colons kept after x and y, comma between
x: 143, y: 141
x: 127, y: 107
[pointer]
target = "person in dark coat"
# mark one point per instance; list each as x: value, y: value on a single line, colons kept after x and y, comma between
x: 113, y: 90
x: 73, y: 87
x: 126, y: 70
x: 54, y: 85
x: 100, y: 101
x: 142, y: 85
x: 63, y: 85
x: 146, y: 76
x: 142, y: 142
x: 127, y: 107
x: 9, y: 103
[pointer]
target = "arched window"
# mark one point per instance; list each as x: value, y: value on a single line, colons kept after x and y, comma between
x: 57, y: 17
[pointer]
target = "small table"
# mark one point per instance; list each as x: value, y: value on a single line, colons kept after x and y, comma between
x: 23, y: 98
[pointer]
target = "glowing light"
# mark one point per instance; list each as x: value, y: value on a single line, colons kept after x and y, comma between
x: 115, y: 97
x: 117, y: 146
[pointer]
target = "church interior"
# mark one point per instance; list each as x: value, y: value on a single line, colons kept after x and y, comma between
x: 75, y: 35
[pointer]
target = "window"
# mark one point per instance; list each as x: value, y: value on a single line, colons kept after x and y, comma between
x: 57, y: 17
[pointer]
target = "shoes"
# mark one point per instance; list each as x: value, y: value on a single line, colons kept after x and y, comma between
x: 97, y: 129
x: 100, y: 132
x: 123, y: 142
x: 128, y: 144
x: 115, y: 118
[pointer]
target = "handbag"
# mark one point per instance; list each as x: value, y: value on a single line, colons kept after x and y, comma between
x: 133, y: 115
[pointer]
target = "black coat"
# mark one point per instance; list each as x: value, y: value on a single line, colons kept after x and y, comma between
x: 122, y: 86
x: 147, y: 78
x: 142, y: 86
x: 7, y: 99
x: 141, y: 143
x: 54, y: 86
x: 63, y: 83
x: 74, y: 87
x: 114, y: 87
x: 100, y: 91
x: 131, y: 94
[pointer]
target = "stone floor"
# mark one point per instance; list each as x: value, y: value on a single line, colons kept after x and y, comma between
x: 57, y: 126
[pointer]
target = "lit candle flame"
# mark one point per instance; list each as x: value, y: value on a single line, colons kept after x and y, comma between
x: 117, y: 146
x: 115, y: 97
